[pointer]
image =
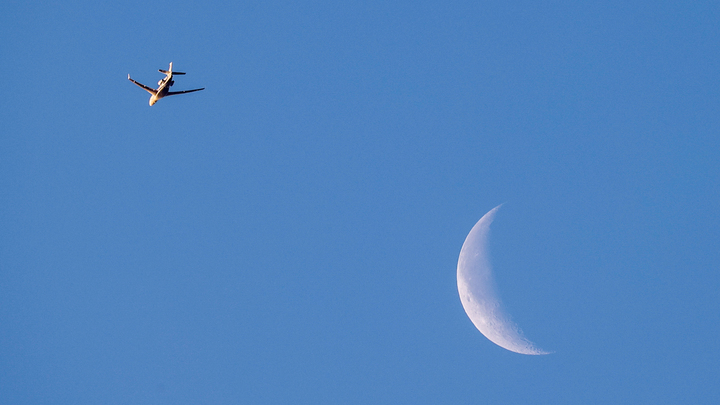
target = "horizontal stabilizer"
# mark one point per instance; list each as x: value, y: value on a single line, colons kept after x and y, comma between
x: 166, y: 72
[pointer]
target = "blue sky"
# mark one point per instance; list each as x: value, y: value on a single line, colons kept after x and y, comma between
x: 291, y: 233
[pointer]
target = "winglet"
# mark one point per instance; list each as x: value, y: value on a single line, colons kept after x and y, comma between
x: 128, y: 76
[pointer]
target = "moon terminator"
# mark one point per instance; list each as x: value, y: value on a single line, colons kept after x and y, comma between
x: 479, y: 296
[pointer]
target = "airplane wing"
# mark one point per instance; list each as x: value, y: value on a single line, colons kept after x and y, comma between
x: 172, y: 93
x: 146, y: 88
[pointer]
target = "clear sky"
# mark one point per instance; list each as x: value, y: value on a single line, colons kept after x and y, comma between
x: 291, y: 233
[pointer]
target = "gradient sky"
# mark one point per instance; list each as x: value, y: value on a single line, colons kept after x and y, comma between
x: 291, y: 233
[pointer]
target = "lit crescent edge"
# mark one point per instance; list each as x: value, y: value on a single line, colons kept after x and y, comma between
x: 478, y: 294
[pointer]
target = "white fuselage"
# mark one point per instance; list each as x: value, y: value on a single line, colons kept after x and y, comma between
x: 163, y: 89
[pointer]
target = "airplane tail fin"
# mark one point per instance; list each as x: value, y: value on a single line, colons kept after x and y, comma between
x: 170, y: 71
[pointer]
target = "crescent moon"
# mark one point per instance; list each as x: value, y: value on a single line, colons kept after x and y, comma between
x: 479, y: 295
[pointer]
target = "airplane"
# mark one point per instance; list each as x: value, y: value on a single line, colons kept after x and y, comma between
x: 164, y: 86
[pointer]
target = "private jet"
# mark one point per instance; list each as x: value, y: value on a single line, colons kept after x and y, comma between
x: 163, y: 86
